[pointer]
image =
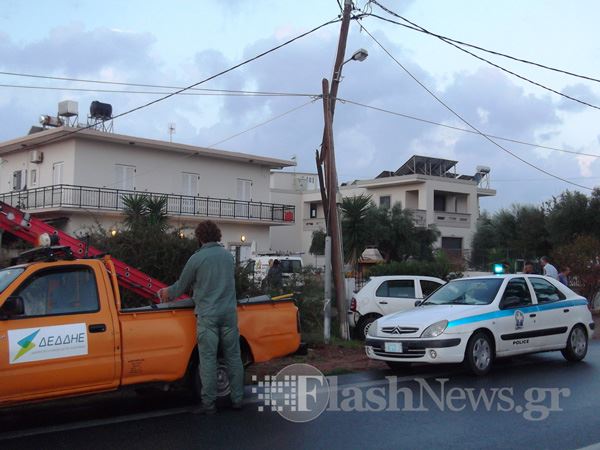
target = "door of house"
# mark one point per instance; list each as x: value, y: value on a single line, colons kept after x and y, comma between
x: 190, y: 188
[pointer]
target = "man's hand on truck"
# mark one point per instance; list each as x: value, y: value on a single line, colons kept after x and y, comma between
x: 163, y: 294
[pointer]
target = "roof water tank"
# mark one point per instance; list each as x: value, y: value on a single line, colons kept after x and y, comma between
x: 99, y: 110
x: 68, y: 108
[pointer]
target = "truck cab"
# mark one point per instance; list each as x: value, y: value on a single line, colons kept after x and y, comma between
x: 64, y: 332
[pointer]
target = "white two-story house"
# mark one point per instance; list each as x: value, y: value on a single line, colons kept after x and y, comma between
x: 429, y: 187
x: 75, y: 178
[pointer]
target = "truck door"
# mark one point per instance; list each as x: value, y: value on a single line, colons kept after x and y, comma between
x: 63, y: 342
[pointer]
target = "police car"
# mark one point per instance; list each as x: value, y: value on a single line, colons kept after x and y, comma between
x: 475, y: 320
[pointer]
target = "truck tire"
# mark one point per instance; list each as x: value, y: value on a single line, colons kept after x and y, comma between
x: 363, y: 325
x: 223, y: 385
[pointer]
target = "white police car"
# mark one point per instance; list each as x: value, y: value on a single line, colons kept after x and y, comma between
x: 478, y: 319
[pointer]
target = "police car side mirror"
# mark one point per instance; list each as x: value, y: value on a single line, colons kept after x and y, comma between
x: 13, y: 306
x: 510, y: 302
x: 418, y: 302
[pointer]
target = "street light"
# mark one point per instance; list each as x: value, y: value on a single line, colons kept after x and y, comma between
x: 359, y: 55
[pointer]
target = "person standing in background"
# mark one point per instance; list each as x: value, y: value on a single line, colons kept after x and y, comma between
x: 563, y: 276
x: 549, y: 269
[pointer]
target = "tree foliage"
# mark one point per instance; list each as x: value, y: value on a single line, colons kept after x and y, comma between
x: 317, y: 244
x: 391, y: 230
x: 583, y: 257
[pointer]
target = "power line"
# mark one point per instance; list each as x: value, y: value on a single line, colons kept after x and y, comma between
x: 527, y: 180
x: 439, y: 100
x: 118, y: 83
x: 477, y: 47
x: 229, y: 93
x: 179, y: 91
x: 271, y: 119
x: 431, y: 122
x: 497, y: 66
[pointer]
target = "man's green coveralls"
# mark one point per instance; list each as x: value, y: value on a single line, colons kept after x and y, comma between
x: 210, y: 272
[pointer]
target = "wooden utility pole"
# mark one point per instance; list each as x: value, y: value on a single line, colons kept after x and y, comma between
x: 330, y: 193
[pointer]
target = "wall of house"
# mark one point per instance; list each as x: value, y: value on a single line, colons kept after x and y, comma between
x: 162, y: 171
x: 53, y: 153
x: 81, y: 222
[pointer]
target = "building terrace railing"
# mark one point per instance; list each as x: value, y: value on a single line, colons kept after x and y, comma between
x: 69, y: 196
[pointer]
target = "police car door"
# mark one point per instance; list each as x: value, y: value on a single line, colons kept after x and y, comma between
x: 517, y: 321
x: 554, y: 320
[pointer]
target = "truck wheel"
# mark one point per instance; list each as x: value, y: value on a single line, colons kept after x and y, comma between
x: 577, y: 344
x: 223, y: 385
x: 363, y: 325
x: 479, y: 354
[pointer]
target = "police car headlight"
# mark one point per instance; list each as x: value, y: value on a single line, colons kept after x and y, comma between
x: 372, y: 331
x: 435, y: 330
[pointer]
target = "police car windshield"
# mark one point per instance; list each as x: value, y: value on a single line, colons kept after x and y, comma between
x: 7, y: 276
x: 466, y: 292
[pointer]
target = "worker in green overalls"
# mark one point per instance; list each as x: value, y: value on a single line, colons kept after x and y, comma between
x: 210, y: 272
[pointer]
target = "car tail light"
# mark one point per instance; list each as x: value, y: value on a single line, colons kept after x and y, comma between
x: 353, y: 304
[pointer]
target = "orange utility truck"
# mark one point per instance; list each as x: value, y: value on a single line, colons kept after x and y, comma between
x: 64, y: 332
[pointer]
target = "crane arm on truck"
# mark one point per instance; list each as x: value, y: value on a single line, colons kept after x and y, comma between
x: 24, y: 226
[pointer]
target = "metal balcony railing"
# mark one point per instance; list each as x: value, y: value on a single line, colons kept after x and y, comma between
x: 69, y: 196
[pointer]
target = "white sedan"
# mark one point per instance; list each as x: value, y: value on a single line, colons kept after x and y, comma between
x: 386, y: 295
x: 475, y: 320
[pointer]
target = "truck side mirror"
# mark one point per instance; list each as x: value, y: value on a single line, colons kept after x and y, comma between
x: 13, y: 306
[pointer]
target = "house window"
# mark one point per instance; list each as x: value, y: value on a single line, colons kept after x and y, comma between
x: 19, y: 180
x: 244, y: 188
x: 385, y: 201
x: 313, y: 210
x: 191, y: 184
x: 125, y: 177
x: 33, y: 181
x: 57, y: 173
x: 439, y: 202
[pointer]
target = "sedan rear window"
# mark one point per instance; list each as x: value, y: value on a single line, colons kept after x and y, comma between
x: 466, y: 292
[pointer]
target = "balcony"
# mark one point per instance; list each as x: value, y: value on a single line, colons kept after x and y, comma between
x: 419, y: 217
x: 452, y: 219
x: 104, y: 199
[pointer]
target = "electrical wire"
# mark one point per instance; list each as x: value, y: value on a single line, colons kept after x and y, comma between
x: 211, y: 146
x: 440, y: 101
x: 431, y: 122
x: 156, y: 86
x: 117, y: 91
x: 179, y: 91
x: 497, y: 66
x: 477, y: 47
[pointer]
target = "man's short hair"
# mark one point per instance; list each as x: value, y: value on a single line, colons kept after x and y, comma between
x: 207, y: 231
x: 544, y: 258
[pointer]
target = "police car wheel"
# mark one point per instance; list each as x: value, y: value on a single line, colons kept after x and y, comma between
x: 577, y: 344
x: 363, y: 326
x: 479, y: 354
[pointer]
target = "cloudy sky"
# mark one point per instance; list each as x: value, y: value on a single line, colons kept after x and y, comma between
x: 179, y: 42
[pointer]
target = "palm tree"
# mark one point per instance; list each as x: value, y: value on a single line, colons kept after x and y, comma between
x: 135, y: 210
x: 354, y: 226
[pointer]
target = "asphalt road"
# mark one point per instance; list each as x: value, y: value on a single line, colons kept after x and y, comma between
x: 540, y: 401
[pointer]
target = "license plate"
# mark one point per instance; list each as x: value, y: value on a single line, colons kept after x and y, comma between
x: 393, y: 347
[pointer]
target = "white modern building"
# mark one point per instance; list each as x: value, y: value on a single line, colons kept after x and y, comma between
x: 430, y: 187
x: 75, y: 178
